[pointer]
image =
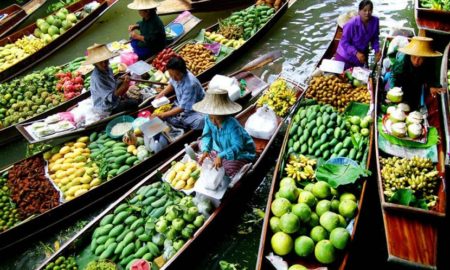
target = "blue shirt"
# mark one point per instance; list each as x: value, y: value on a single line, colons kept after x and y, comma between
x: 188, y: 90
x: 231, y: 142
x: 102, y: 89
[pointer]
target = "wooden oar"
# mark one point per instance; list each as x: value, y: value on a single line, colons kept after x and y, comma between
x: 147, y: 81
x: 259, y: 62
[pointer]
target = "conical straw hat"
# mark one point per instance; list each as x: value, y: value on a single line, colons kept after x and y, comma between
x: 143, y: 4
x: 217, y: 102
x: 420, y: 46
x: 98, y: 53
x: 344, y: 18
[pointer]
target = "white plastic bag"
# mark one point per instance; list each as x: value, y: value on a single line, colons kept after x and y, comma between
x: 262, y: 124
x: 210, y: 176
x: 226, y: 83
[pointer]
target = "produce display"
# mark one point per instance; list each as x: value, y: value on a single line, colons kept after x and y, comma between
x: 300, y: 168
x: 435, y: 4
x: 9, y: 215
x: 229, y: 42
x: 416, y: 177
x: 70, y: 83
x: 53, y: 26
x: 332, y: 90
x: 162, y: 58
x: 159, y: 76
x: 402, y: 123
x: 183, y: 175
x: 63, y: 263
x: 280, y: 97
x: 197, y: 57
x: 163, y: 109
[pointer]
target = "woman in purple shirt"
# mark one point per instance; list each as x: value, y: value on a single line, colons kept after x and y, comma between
x: 358, y: 33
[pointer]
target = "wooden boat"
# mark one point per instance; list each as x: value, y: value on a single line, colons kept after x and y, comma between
x: 175, y: 6
x: 70, y: 34
x: 80, y: 241
x: 445, y: 99
x: 43, y: 222
x: 11, y: 133
x: 207, y: 74
x: 16, y: 14
x: 420, y: 227
x: 432, y: 19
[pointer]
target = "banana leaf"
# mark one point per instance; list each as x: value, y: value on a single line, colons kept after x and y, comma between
x: 432, y: 138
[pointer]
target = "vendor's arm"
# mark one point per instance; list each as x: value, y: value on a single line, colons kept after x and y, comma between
x: 171, y: 112
x: 136, y: 36
x: 133, y: 27
x: 346, y: 40
x: 123, y: 87
x: 168, y: 90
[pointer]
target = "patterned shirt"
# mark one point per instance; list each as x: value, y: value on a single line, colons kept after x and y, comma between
x: 188, y: 91
x: 102, y: 89
x: 231, y: 141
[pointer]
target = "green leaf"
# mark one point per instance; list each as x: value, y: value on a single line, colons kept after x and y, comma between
x: 402, y: 196
x: 338, y: 175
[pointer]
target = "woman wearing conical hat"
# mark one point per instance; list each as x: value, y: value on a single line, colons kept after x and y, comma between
x: 224, y: 139
x: 413, y: 68
x: 152, y: 37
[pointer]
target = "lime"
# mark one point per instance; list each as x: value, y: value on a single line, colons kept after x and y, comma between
x: 325, y: 252
x: 280, y: 206
x: 365, y: 132
x: 277, y: 195
x: 304, y: 246
x: 289, y: 223
x: 297, y: 267
x: 339, y: 237
x: 308, y: 198
x: 354, y: 128
x: 314, y: 221
x: 347, y: 196
x: 275, y: 224
x: 289, y: 192
x: 329, y: 221
x: 287, y: 181
x: 335, y: 205
x: 342, y: 222
x: 303, y: 211
x: 347, y: 208
x: 355, y: 120
x: 281, y: 243
x: 321, y: 190
x: 322, y: 207
x: 309, y: 187
x: 318, y: 233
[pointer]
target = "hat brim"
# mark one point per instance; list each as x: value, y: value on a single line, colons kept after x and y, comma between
x: 344, y: 18
x: 413, y: 52
x: 91, y: 61
x: 206, y: 108
x: 142, y: 7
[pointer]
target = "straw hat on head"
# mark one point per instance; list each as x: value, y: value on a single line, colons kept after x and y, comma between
x: 420, y: 46
x: 98, y: 53
x: 143, y: 4
x: 217, y: 102
x: 344, y: 18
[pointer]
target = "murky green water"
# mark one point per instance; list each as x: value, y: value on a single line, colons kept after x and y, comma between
x: 302, y: 34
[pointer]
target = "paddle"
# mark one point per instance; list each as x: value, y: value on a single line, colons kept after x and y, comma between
x: 259, y: 62
x: 147, y: 81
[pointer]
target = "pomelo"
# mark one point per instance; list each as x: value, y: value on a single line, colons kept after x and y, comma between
x: 325, y: 252
x: 297, y: 267
x: 308, y: 198
x: 61, y: 15
x: 289, y: 192
x: 329, y: 221
x: 347, y: 208
x: 281, y: 243
x: 64, y: 11
x: 318, y: 233
x: 275, y: 224
x: 309, y: 187
x: 37, y: 33
x: 39, y: 22
x: 280, y: 206
x: 71, y: 18
x: 53, y: 30
x: 314, y: 221
x: 347, y: 196
x: 322, y: 207
x: 289, y: 223
x: 339, y: 237
x: 303, y: 246
x: 50, y: 19
x: 287, y: 181
x: 303, y: 211
x: 44, y: 27
x: 342, y: 222
x: 335, y: 205
x: 321, y: 190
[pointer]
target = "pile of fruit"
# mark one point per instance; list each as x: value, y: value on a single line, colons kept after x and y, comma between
x: 318, y: 130
x: 9, y: 215
x: 332, y: 90
x: 62, y: 262
x: 232, y: 43
x: 183, y: 175
x: 10, y: 54
x: 359, y: 127
x: 53, y: 26
x: 311, y: 222
x: 230, y: 31
x: 162, y: 58
x: 70, y: 83
x: 162, y: 109
x: 159, y: 76
x: 72, y: 170
x: 416, y: 174
x: 404, y: 123
x: 435, y: 4
x: 300, y: 168
x: 197, y: 57
x: 280, y: 97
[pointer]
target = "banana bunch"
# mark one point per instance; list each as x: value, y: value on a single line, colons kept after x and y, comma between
x: 232, y: 43
x: 30, y: 44
x: 300, y: 168
x: 163, y: 109
x: 10, y: 54
x: 280, y: 97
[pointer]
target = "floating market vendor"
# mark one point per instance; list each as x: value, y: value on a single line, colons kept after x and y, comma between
x: 188, y: 91
x: 224, y: 139
x: 107, y: 93
x: 358, y: 33
x: 413, y: 70
x: 152, y: 37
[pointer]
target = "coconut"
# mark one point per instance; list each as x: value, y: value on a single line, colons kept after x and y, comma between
x: 395, y: 95
x: 398, y: 129
x: 391, y: 109
x: 414, y: 130
x: 397, y: 116
x: 414, y: 118
x: 404, y: 107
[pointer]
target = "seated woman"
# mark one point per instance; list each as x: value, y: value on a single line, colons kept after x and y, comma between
x: 413, y: 70
x: 358, y: 33
x: 152, y: 37
x: 107, y: 93
x: 224, y: 139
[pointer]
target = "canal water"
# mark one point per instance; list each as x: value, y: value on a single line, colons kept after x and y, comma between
x: 302, y: 34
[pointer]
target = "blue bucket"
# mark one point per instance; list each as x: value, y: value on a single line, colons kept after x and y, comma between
x: 118, y: 119
x: 177, y: 28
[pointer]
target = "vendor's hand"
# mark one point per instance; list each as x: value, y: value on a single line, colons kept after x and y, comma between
x: 217, y: 162
x: 134, y: 35
x: 436, y: 90
x: 361, y: 57
x: 160, y: 95
x: 132, y: 27
x: 126, y: 80
x: 202, y: 158
x: 377, y: 56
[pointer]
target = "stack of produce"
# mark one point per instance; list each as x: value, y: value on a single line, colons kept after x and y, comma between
x: 435, y: 4
x: 31, y: 191
x: 53, y: 26
x: 70, y: 83
x: 250, y: 19
x: 197, y: 57
x: 405, y: 123
x: 162, y: 58
x: 61, y: 263
x: 311, y: 222
x: 9, y: 215
x: 280, y: 97
x: 71, y: 170
x: 163, y: 109
x: 300, y: 168
x: 417, y: 175
x: 183, y: 175
x: 10, y: 54
x: 233, y: 43
x: 157, y: 75
x: 320, y: 131
x: 332, y: 90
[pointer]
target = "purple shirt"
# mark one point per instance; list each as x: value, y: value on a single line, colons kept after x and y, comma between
x: 356, y: 38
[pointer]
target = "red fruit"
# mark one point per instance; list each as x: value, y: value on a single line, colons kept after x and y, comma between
x: 78, y: 80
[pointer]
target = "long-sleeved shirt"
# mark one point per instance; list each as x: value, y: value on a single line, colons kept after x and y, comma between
x: 231, y: 141
x: 188, y: 90
x: 102, y: 89
x: 154, y: 34
x: 356, y: 38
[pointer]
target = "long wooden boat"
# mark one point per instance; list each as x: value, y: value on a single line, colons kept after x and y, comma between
x: 81, y: 240
x: 45, y: 221
x: 16, y: 14
x: 445, y: 99
x: 174, y: 6
x: 266, y: 234
x: 10, y: 133
x: 419, y: 227
x: 67, y: 36
x: 432, y: 19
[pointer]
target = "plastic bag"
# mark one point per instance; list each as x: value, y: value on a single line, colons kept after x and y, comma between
x: 211, y: 176
x: 226, y: 83
x: 157, y: 143
x: 262, y: 124
x: 203, y: 204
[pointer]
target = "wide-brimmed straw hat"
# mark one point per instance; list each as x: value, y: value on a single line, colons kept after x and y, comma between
x: 217, y: 102
x: 98, y: 53
x: 344, y: 18
x: 420, y: 46
x: 143, y: 4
